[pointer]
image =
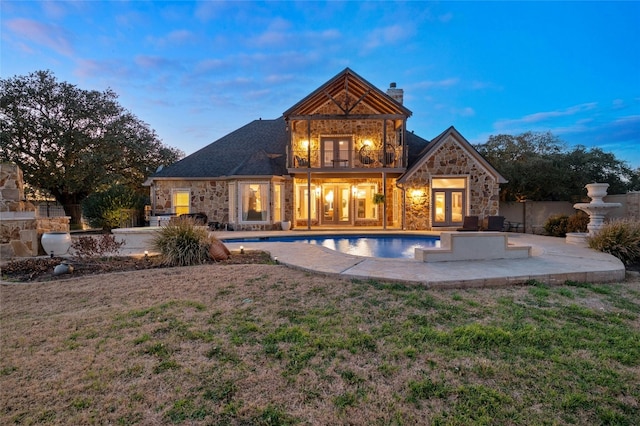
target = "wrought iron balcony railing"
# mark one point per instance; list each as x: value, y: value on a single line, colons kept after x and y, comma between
x: 365, y: 158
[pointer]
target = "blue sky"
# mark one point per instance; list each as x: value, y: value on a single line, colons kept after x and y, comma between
x: 195, y: 71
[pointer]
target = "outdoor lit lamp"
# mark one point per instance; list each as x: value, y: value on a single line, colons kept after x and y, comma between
x: 417, y: 193
x: 241, y: 249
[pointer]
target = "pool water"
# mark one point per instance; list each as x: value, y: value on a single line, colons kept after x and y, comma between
x: 388, y: 246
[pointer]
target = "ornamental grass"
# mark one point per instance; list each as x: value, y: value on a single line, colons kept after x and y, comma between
x: 621, y: 238
x: 181, y: 243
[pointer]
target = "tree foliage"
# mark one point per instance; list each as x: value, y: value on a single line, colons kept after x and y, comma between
x: 539, y: 167
x: 107, y: 209
x: 71, y: 142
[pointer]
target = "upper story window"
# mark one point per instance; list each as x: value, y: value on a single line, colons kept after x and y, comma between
x: 335, y: 151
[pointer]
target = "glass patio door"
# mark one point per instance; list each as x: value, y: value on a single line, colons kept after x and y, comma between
x: 335, y: 152
x: 448, y: 207
x: 335, y: 201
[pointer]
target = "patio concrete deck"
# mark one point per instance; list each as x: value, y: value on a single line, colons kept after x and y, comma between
x: 552, y: 262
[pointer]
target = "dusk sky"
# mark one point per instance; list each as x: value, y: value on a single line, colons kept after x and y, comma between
x: 195, y: 71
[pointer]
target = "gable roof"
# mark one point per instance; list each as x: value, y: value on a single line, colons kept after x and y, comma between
x: 437, y: 142
x: 416, y: 145
x: 358, y: 90
x: 256, y: 149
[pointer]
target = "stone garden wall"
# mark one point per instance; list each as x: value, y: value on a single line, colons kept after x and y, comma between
x: 20, y: 227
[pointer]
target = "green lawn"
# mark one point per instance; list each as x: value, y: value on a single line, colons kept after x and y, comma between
x: 276, y: 348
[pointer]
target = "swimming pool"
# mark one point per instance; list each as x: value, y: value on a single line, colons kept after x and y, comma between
x: 388, y: 246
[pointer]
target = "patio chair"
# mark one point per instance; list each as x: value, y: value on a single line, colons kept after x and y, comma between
x: 495, y: 223
x: 470, y: 223
x: 388, y: 156
x: 365, y: 157
x: 198, y: 218
x: 302, y: 162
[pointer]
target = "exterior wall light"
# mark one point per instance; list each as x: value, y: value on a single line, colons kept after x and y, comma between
x: 417, y: 193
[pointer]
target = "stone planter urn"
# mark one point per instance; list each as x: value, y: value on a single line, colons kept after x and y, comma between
x: 56, y: 243
x: 597, y: 191
x: 597, y: 210
x: 286, y: 225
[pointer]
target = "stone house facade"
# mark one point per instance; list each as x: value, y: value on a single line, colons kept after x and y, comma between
x: 340, y: 157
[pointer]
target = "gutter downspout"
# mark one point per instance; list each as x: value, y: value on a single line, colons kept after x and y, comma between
x: 404, y: 205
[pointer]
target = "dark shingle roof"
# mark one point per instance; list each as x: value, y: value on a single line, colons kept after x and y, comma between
x: 257, y: 149
x: 416, y: 145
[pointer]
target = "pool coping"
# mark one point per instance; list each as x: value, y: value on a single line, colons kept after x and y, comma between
x: 553, y: 261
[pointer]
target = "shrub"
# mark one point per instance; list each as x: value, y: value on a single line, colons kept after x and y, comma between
x: 620, y: 238
x: 556, y: 225
x: 578, y: 222
x: 96, y: 247
x: 181, y: 243
x: 107, y: 209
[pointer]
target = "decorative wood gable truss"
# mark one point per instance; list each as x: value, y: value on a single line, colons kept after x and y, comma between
x: 351, y: 96
x: 367, y: 123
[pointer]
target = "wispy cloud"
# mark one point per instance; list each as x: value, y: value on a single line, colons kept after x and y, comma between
x: 587, y: 124
x: 113, y: 69
x: 465, y: 112
x: 156, y: 63
x: 174, y: 38
x: 431, y: 84
x: 51, y: 36
x: 546, y: 116
x: 276, y: 34
x: 484, y: 85
x: 389, y: 35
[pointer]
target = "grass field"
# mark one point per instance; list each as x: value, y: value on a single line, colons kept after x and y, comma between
x: 266, y: 345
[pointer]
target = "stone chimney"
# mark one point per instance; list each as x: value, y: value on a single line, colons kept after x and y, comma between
x: 396, y: 94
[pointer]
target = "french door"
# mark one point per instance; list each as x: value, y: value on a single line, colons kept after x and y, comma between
x: 449, y: 207
x: 335, y: 202
x: 335, y: 152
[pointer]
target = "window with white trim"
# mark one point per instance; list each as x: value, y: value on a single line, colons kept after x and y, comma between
x: 254, y: 202
x: 181, y: 201
x: 278, y: 202
x: 233, y: 216
x: 365, y: 207
x: 302, y: 205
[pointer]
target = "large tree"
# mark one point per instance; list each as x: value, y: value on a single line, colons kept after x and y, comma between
x: 71, y: 141
x: 539, y: 167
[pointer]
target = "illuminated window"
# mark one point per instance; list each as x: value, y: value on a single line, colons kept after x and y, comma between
x: 181, y: 201
x: 302, y: 206
x: 365, y: 207
x: 278, y: 202
x: 254, y: 202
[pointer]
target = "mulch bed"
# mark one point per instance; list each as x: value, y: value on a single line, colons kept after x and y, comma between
x: 41, y: 268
